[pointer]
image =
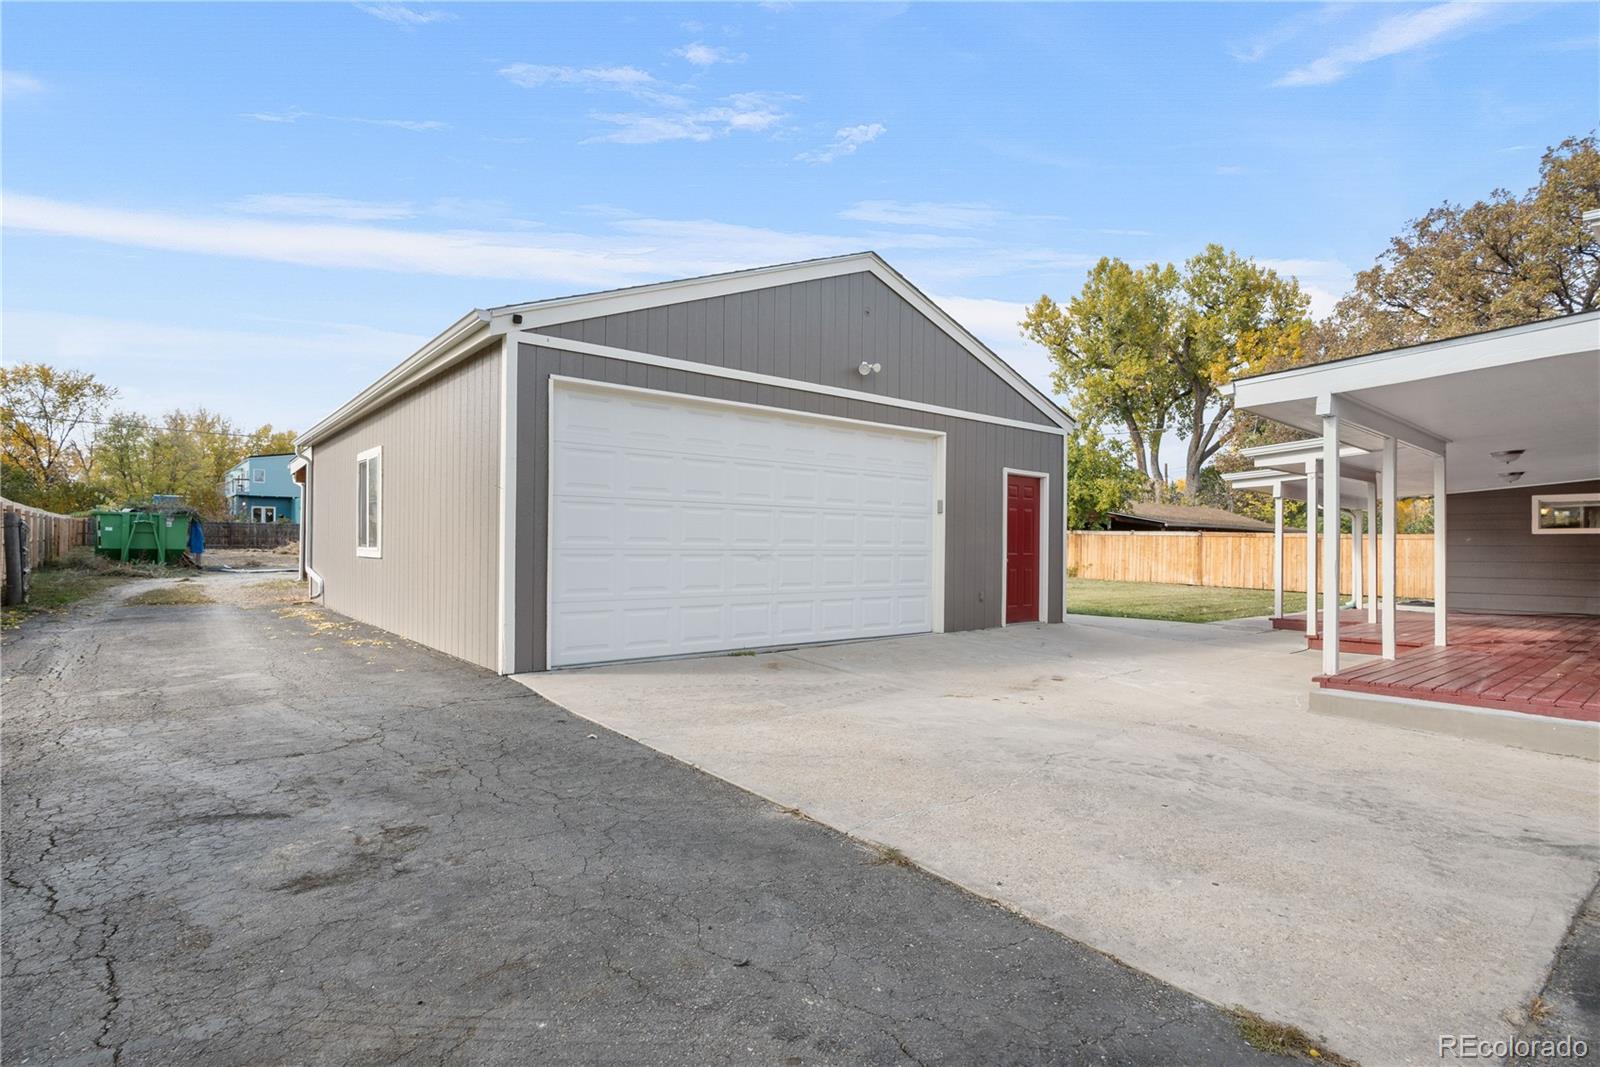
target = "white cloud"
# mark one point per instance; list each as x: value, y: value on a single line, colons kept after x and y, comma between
x: 1265, y: 43
x: 845, y: 142
x: 403, y: 16
x: 938, y: 216
x: 1393, y: 36
x: 742, y: 113
x: 341, y: 358
x: 624, y: 249
x: 294, y: 115
x: 706, y: 55
x: 1323, y: 280
x: 17, y: 83
x: 625, y: 79
x: 636, y: 249
x: 312, y: 205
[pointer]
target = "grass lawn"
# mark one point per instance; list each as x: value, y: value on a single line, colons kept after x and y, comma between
x: 54, y: 586
x: 1175, y: 603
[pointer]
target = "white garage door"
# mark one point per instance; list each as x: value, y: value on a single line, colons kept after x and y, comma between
x: 681, y: 526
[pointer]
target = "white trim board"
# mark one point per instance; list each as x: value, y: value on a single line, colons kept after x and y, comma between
x: 619, y: 301
x: 588, y: 348
x: 940, y: 474
x: 479, y: 327
x: 1044, y: 538
x: 508, y: 507
x: 1454, y: 355
x: 462, y: 339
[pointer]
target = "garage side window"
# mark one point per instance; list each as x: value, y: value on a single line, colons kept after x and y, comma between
x: 369, y: 503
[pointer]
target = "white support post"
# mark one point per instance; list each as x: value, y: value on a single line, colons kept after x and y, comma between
x: 1390, y: 477
x: 1372, y: 552
x: 1311, y: 548
x: 1441, y: 610
x: 1277, y: 550
x: 1357, y: 539
x: 1330, y: 545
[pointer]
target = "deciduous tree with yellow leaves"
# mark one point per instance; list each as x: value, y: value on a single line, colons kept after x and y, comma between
x: 1149, y: 349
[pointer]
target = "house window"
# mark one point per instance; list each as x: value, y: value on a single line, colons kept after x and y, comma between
x: 263, y: 514
x: 1567, y: 513
x: 259, y: 475
x: 369, y: 503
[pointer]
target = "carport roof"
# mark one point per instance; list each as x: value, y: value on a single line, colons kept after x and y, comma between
x: 1534, y: 388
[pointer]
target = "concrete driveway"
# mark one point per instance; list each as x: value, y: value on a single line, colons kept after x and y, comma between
x: 1158, y: 791
x: 248, y: 833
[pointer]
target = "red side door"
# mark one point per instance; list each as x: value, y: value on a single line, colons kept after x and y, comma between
x: 1022, y: 548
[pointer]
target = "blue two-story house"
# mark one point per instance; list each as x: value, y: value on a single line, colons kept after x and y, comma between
x: 260, y: 489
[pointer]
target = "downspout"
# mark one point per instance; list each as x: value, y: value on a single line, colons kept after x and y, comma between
x: 307, y: 571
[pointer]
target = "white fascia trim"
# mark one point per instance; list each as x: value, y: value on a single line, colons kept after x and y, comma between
x: 1456, y: 355
x: 508, y: 506
x: 464, y: 337
x: 1346, y: 409
x: 1295, y: 451
x: 610, y: 352
x: 597, y: 305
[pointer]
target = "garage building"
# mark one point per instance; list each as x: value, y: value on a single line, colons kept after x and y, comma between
x: 802, y: 453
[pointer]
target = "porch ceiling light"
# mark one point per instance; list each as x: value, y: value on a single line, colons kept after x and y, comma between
x: 1509, y: 455
x: 1512, y: 476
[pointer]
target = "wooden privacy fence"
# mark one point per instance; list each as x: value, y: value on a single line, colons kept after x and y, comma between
x: 49, y: 535
x: 1235, y: 560
x: 250, y: 534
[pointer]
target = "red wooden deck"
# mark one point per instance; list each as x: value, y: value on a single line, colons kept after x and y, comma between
x: 1412, y: 629
x: 1538, y: 664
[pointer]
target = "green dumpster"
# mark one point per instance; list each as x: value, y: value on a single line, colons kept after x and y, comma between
x: 142, y: 534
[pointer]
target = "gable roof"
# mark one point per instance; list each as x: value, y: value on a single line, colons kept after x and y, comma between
x: 472, y: 331
x: 1188, y: 517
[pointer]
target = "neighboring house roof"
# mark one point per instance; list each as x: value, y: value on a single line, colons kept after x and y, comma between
x: 481, y: 327
x: 1186, y: 517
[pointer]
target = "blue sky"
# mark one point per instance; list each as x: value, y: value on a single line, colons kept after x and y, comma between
x: 262, y: 208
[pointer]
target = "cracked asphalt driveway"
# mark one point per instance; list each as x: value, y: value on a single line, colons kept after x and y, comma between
x: 259, y: 835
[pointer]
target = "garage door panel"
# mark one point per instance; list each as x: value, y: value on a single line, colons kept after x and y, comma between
x: 703, y: 479
x: 648, y: 524
x: 678, y: 527
x: 702, y: 526
x: 648, y: 473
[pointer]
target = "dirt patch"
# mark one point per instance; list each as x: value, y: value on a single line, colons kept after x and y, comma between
x: 176, y: 595
x: 249, y: 559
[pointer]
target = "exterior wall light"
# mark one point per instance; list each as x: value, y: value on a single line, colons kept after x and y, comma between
x: 866, y: 369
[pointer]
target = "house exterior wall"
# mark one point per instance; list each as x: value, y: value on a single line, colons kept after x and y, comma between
x: 1496, y: 563
x: 242, y: 490
x: 976, y: 454
x: 817, y: 331
x: 437, y: 580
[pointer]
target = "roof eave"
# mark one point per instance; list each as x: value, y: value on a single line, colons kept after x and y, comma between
x: 466, y: 334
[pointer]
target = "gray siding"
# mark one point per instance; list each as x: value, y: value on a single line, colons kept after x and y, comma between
x: 437, y: 582
x: 817, y: 331
x: 1496, y: 563
x: 976, y: 452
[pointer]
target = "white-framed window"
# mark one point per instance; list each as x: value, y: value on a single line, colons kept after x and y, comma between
x: 259, y: 475
x: 1566, y: 513
x: 261, y: 513
x: 369, y: 503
